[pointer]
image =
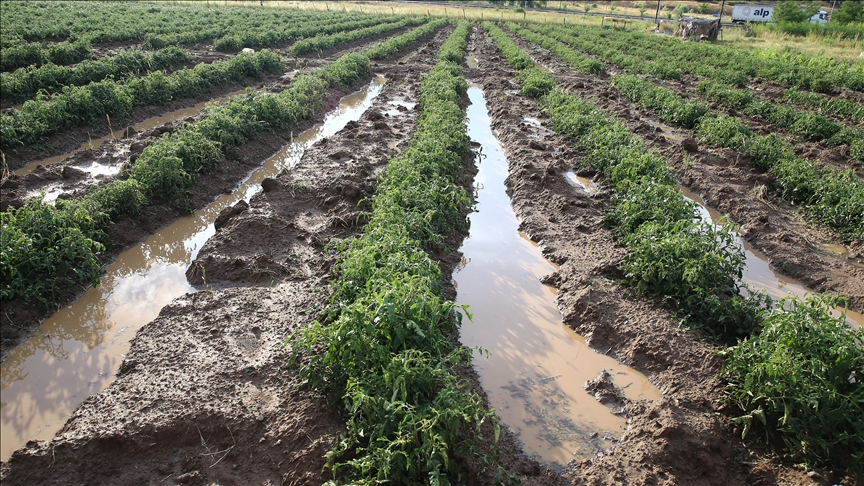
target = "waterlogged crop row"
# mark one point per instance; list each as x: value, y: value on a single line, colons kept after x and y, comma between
x: 804, y: 125
x: 35, y: 54
x: 162, y: 24
x: 826, y: 104
x: 793, y: 373
x: 834, y: 198
x: 46, y: 250
x: 321, y: 42
x: 393, y: 45
x: 589, y: 41
x: 266, y: 37
x: 24, y: 83
x: 384, y: 351
x: 717, y: 62
x: 515, y: 56
x: 89, y: 104
x: 576, y: 61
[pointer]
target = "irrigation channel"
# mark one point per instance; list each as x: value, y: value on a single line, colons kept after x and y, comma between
x: 536, y: 367
x: 77, y: 351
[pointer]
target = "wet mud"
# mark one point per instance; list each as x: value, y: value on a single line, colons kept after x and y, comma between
x: 204, y: 385
x: 682, y: 439
x: 536, y: 367
x: 19, y: 319
x: 203, y: 395
x: 730, y: 185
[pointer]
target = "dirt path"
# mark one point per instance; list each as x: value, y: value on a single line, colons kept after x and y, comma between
x: 730, y: 185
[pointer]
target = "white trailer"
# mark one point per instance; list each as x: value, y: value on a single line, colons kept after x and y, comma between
x: 752, y: 13
x: 763, y: 13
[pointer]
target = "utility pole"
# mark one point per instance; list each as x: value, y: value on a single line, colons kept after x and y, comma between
x: 832, y: 8
x: 721, y: 10
x: 657, y: 15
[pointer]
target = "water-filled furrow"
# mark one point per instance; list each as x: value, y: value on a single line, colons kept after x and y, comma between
x: 758, y: 273
x: 145, y: 125
x: 536, y: 367
x: 757, y: 270
x: 77, y: 351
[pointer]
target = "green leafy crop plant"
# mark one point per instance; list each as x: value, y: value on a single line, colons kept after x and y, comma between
x: 88, y: 104
x: 805, y: 126
x: 387, y: 355
x: 321, y: 42
x: 516, y: 57
x: 577, y: 61
x: 799, y: 380
x: 23, y: 84
x: 393, y: 45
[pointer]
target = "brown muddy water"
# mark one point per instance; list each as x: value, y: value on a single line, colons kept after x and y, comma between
x: 138, y: 127
x: 77, y: 351
x: 758, y: 272
x: 536, y: 367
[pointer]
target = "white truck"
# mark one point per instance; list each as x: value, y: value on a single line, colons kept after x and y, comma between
x: 763, y: 13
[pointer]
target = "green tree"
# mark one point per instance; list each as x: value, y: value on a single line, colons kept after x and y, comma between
x: 849, y: 12
x: 792, y: 11
x: 703, y: 8
x: 680, y: 10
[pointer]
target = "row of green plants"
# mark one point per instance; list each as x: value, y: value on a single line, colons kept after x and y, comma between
x: 88, y: 105
x: 36, y: 54
x: 47, y: 250
x: 24, y: 83
x: 315, y: 26
x: 829, y: 196
x: 794, y: 371
x: 515, y: 56
x: 389, y: 47
x: 129, y: 21
x: 736, y: 65
x: 322, y: 42
x: 829, y: 105
x: 669, y: 58
x: 161, y: 26
x: 804, y: 125
x: 809, y: 126
x: 231, y: 35
x: 384, y: 349
x: 576, y: 61
x: 616, y: 54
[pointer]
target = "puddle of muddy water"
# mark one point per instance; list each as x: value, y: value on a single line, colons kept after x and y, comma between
x: 758, y: 272
x: 584, y: 183
x: 139, y: 127
x: 537, y: 366
x: 471, y: 60
x: 76, y: 352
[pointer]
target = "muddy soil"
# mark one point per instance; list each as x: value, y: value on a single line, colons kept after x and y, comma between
x: 684, y: 439
x: 67, y: 140
x: 210, y: 397
x: 19, y: 319
x: 204, y: 395
x: 729, y: 184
